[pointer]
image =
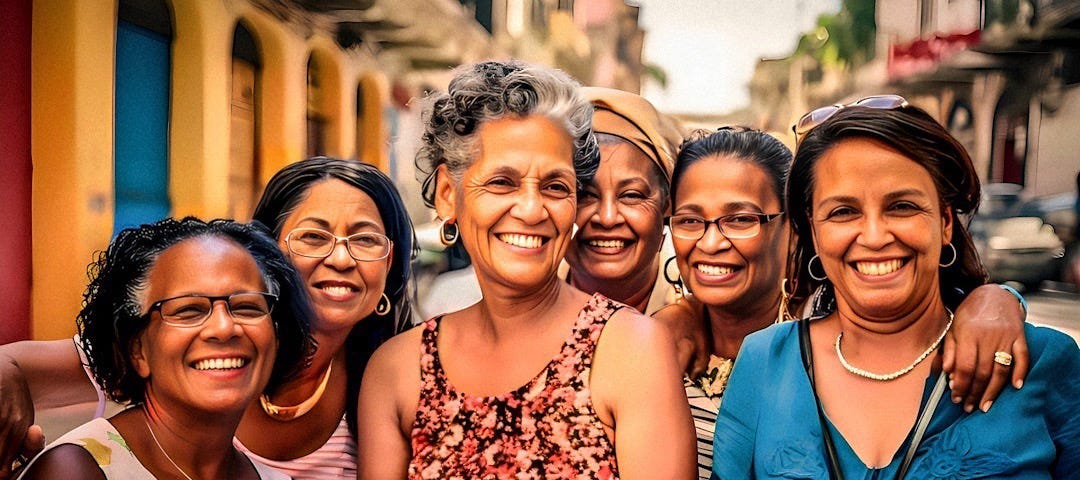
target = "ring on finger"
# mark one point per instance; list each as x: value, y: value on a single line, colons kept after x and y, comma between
x: 1003, y: 358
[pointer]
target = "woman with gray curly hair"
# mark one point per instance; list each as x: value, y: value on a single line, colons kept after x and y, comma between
x: 505, y: 152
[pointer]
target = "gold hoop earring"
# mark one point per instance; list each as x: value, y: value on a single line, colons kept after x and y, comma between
x: 448, y: 232
x: 383, y: 307
x: 783, y: 315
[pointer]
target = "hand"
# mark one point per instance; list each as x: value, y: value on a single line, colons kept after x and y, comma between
x: 683, y: 319
x: 989, y: 320
x: 17, y: 434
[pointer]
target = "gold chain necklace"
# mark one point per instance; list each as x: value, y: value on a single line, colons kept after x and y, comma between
x: 884, y: 377
x: 292, y: 413
x: 146, y: 420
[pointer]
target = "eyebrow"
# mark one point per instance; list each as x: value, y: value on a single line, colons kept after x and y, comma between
x: 730, y: 206
x: 362, y: 224
x: 513, y: 172
x: 888, y: 196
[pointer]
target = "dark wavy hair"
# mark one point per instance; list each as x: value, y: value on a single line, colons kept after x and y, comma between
x: 112, y: 319
x: 283, y: 194
x: 488, y: 91
x: 742, y: 143
x: 915, y: 134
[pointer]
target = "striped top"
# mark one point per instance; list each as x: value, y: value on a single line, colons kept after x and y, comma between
x: 335, y: 459
x: 704, y: 410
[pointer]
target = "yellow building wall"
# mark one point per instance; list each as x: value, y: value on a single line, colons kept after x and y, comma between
x: 72, y: 148
x: 72, y: 126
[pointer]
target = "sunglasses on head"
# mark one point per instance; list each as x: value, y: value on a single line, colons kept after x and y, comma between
x: 820, y: 115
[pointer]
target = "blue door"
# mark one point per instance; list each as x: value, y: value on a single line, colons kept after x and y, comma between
x: 141, y: 143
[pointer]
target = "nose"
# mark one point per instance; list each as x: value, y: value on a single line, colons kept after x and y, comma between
x: 607, y: 212
x: 713, y: 240
x: 875, y: 233
x: 339, y: 257
x: 529, y: 205
x: 219, y: 325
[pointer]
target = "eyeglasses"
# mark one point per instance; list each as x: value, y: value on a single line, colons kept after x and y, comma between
x: 818, y: 116
x: 246, y: 308
x: 737, y: 225
x: 317, y: 243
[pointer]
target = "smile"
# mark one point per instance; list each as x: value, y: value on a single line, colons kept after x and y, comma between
x: 521, y: 240
x: 714, y: 270
x: 877, y: 269
x: 220, y: 363
x: 336, y: 289
x: 606, y: 243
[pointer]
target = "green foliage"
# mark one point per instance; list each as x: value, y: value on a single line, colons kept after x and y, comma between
x: 841, y: 39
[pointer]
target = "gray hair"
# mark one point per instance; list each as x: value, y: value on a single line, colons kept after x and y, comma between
x: 493, y: 90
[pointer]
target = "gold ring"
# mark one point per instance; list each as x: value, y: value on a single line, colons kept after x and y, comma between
x: 1003, y: 359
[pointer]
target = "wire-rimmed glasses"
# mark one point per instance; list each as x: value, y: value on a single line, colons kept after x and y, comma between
x: 318, y: 243
x: 691, y: 226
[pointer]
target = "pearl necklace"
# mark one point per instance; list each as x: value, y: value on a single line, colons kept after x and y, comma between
x: 884, y: 377
x: 146, y: 420
x: 286, y: 414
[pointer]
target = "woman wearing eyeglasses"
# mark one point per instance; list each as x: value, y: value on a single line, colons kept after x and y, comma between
x: 731, y: 243
x: 188, y: 322
x: 345, y: 229
x: 859, y: 390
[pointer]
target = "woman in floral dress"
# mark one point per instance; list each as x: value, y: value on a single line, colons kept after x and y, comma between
x: 522, y: 384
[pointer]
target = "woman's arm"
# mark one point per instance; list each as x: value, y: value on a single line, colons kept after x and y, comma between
x: 36, y: 375
x: 637, y: 380
x: 989, y: 320
x: 383, y: 414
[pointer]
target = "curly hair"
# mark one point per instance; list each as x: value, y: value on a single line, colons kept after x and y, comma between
x: 492, y: 90
x: 111, y: 318
x: 915, y: 134
x: 290, y: 186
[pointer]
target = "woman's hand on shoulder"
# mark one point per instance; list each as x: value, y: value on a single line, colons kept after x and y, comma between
x: 683, y: 319
x: 386, y: 407
x: 989, y: 320
x: 637, y: 383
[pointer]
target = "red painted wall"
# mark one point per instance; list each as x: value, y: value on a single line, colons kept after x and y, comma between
x: 15, y: 170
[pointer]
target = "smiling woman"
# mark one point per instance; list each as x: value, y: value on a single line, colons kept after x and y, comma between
x: 522, y: 384
x: 188, y: 321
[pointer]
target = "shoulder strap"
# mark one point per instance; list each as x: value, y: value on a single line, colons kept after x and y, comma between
x: 922, y: 423
x: 831, y: 459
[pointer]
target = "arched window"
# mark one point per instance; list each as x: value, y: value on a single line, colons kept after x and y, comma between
x: 243, y: 124
x: 316, y: 115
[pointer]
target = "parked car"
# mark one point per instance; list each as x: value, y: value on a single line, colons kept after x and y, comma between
x: 1014, y: 241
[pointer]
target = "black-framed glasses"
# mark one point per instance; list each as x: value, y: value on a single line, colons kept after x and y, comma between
x: 818, y: 116
x: 192, y: 310
x: 689, y: 226
x: 318, y: 243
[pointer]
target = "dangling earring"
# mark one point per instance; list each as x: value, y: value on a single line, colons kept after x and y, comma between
x: 448, y: 232
x: 383, y: 307
x: 810, y: 270
x: 952, y: 261
x: 677, y: 283
x: 783, y: 315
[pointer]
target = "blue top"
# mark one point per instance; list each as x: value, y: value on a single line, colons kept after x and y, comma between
x: 768, y: 425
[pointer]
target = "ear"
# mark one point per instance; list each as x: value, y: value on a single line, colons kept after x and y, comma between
x: 390, y: 257
x: 946, y: 225
x: 138, y: 357
x: 444, y: 193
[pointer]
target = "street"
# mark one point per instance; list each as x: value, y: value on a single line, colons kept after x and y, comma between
x: 1053, y: 308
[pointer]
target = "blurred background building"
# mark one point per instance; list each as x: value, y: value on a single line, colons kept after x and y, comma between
x: 119, y: 112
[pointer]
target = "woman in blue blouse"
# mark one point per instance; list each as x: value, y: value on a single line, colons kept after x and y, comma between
x: 875, y: 194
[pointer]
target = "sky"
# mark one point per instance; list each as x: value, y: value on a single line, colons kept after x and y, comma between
x: 709, y: 48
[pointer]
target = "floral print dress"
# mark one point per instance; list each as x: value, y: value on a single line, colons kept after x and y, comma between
x: 546, y: 428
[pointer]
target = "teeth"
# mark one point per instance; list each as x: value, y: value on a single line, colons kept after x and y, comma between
x: 878, y: 268
x: 219, y: 363
x: 523, y: 241
x: 607, y: 243
x: 336, y: 289
x: 714, y: 269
